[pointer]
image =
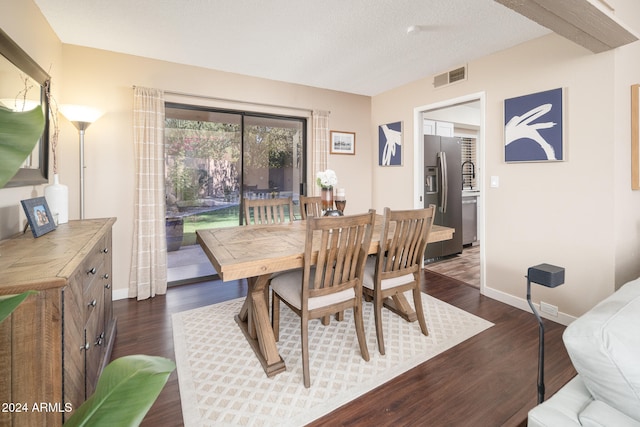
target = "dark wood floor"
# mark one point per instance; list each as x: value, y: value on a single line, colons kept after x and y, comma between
x: 488, y: 380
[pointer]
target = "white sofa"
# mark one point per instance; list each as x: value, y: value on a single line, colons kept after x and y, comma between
x: 604, y: 347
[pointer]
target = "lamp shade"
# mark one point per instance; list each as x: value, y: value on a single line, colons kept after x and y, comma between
x: 80, y: 115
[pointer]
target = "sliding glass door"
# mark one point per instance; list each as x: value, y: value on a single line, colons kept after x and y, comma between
x: 272, y: 157
x: 214, y: 159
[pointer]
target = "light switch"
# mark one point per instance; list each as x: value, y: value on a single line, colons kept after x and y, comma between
x: 495, y: 181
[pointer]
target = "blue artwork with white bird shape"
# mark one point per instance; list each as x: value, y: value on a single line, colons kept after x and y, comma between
x: 533, y: 127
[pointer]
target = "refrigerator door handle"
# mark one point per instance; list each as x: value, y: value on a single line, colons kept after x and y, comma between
x: 444, y: 188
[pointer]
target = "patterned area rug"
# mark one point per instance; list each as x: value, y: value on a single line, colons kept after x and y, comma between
x: 222, y: 382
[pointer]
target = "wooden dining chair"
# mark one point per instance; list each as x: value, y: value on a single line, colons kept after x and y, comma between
x: 397, y: 266
x: 310, y: 205
x: 268, y: 211
x: 331, y: 278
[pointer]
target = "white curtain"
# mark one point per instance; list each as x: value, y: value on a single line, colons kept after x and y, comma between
x: 148, y: 276
x: 319, y: 146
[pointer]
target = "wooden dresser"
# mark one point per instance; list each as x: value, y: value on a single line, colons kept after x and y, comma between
x: 56, y: 343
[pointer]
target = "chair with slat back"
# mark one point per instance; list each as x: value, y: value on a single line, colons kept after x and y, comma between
x: 397, y: 266
x: 331, y: 278
x: 310, y: 206
x: 268, y: 211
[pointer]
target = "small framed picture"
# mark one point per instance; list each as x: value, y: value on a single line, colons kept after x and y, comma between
x: 38, y: 215
x: 343, y: 142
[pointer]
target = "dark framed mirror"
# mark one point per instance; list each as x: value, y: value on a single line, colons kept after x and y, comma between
x: 23, y: 83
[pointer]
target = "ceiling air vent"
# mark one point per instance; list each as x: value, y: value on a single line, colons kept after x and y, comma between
x: 449, y: 77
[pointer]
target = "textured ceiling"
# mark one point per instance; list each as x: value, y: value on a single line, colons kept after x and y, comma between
x: 356, y: 46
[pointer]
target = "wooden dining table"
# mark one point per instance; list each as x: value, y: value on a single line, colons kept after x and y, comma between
x: 255, y: 253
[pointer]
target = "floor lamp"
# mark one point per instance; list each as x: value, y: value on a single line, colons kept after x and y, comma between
x: 81, y: 117
x: 550, y: 276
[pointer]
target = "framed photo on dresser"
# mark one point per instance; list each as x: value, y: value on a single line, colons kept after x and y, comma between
x: 38, y: 216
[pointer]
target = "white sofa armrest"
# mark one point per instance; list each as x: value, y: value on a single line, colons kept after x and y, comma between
x: 599, y: 414
x: 563, y: 408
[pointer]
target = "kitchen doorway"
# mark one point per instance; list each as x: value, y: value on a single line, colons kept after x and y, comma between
x: 462, y: 117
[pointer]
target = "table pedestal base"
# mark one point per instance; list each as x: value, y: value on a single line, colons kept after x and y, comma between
x: 399, y: 305
x: 269, y: 369
x: 255, y: 324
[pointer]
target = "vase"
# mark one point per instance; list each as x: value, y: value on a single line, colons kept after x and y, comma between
x: 57, y: 196
x: 327, y: 198
x: 175, y: 233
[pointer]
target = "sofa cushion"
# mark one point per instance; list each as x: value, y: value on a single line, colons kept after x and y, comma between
x: 604, y: 346
x: 563, y: 408
x: 599, y: 414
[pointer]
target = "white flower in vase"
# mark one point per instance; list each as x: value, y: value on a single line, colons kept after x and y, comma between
x: 327, y: 179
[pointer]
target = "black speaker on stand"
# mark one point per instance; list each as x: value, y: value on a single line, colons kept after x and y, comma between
x: 550, y: 276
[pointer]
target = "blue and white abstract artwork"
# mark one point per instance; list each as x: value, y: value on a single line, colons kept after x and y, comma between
x: 390, y: 144
x: 533, y: 128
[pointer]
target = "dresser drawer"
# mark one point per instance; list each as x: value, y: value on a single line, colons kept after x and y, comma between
x: 93, y: 289
x: 97, y: 257
x: 94, y: 344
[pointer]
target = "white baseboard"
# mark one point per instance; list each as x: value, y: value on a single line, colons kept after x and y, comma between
x: 120, y: 294
x: 522, y: 304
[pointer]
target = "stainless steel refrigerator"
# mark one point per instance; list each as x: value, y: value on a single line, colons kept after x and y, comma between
x: 443, y: 188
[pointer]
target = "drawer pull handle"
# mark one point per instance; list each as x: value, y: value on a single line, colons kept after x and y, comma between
x: 106, y: 276
x: 93, y: 303
x: 92, y: 271
x: 100, y: 339
x: 108, y: 286
x: 85, y: 347
x: 105, y: 251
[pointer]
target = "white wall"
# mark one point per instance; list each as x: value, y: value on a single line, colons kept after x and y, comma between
x: 627, y: 201
x: 23, y: 22
x: 579, y: 214
x: 105, y: 80
x: 561, y: 213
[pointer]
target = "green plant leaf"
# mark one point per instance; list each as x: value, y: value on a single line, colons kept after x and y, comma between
x: 7, y: 305
x: 125, y: 392
x: 19, y: 134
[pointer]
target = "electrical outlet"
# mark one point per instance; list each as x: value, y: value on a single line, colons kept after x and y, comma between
x: 551, y: 310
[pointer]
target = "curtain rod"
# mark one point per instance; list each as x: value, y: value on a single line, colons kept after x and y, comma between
x: 213, y: 98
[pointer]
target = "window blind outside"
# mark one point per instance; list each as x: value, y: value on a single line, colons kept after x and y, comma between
x: 469, y: 161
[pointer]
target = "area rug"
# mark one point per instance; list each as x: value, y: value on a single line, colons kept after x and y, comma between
x: 222, y: 383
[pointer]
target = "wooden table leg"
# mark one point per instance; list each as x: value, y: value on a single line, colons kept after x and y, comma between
x: 244, y: 311
x: 257, y: 327
x: 398, y: 304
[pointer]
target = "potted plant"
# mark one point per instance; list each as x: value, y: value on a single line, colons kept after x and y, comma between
x: 126, y: 389
x: 174, y: 224
x: 19, y: 134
